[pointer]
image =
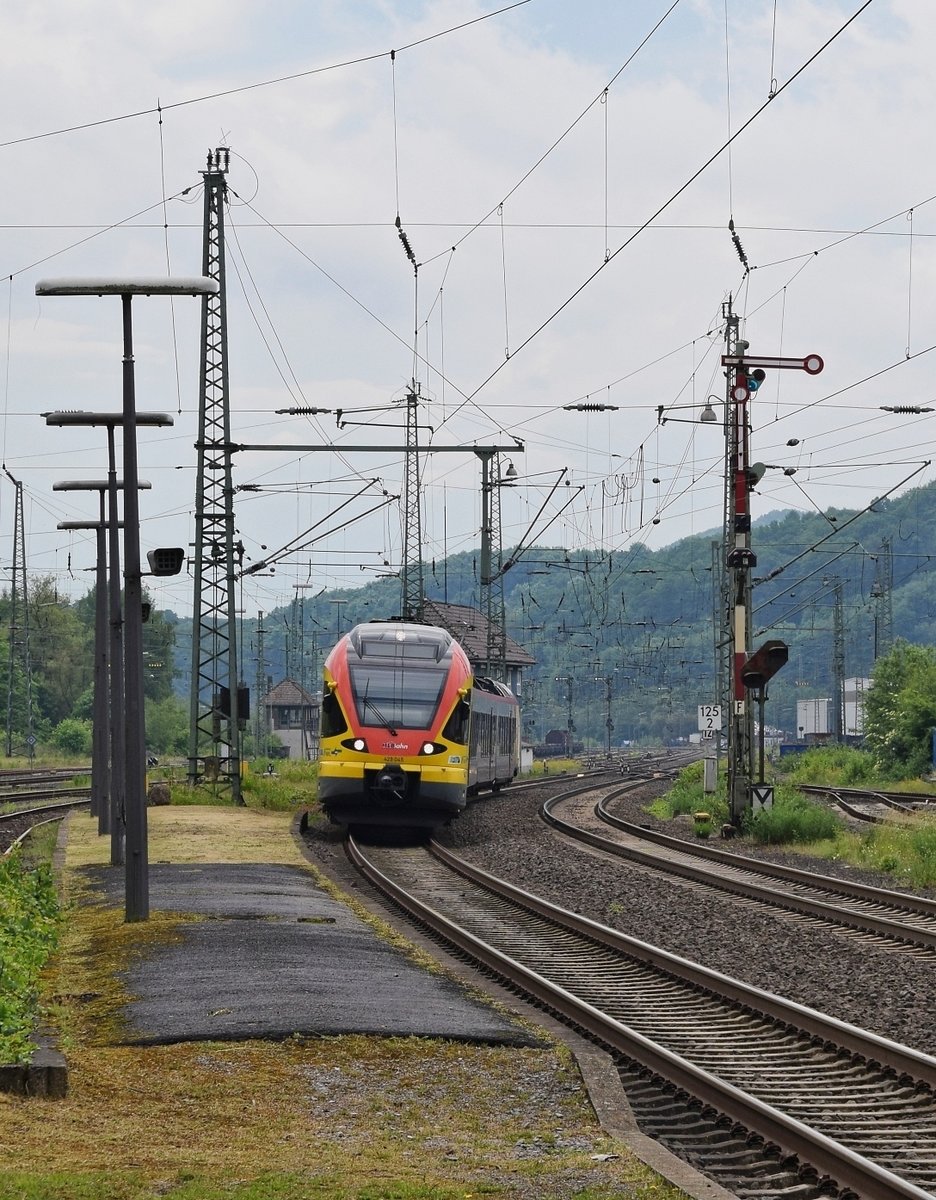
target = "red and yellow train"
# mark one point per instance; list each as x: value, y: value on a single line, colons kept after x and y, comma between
x: 407, y: 731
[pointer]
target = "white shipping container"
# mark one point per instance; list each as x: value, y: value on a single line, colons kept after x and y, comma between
x: 813, y: 717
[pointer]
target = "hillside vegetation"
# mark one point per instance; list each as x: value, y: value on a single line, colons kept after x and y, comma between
x: 628, y: 636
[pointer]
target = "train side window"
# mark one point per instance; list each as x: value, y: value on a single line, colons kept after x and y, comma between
x: 333, y: 721
x: 456, y: 727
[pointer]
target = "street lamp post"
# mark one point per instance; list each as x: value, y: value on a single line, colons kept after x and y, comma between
x: 118, y: 760
x: 137, y: 864
x: 104, y: 766
x: 100, y: 733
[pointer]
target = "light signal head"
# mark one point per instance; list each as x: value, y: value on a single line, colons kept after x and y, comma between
x: 755, y: 378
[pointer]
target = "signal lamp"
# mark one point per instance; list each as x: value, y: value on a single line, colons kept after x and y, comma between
x: 166, y: 560
x: 755, y: 378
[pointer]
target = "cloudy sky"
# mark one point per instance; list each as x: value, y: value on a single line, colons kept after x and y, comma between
x: 561, y: 174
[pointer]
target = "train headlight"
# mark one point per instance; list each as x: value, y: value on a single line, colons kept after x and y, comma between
x: 359, y: 744
x: 428, y: 748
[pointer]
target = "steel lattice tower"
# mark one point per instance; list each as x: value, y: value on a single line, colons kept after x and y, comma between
x: 214, y: 722
x: 19, y: 682
x: 882, y: 595
x: 412, y: 572
x: 492, y: 570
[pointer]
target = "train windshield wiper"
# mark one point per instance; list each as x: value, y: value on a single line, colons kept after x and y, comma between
x: 367, y: 703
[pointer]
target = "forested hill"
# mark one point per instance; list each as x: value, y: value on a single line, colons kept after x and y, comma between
x: 649, y: 620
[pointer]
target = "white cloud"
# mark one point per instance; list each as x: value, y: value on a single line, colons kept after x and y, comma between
x: 321, y: 158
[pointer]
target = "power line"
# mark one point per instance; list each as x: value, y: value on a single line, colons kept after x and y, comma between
x: 692, y: 178
x: 248, y: 87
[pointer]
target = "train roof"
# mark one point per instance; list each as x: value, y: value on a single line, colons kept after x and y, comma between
x: 401, y: 639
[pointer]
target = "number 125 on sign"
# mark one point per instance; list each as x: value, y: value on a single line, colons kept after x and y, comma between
x: 709, y: 716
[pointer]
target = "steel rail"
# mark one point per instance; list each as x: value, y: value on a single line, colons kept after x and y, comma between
x: 20, y: 838
x: 809, y: 1146
x: 900, y: 801
x: 59, y: 811
x: 42, y: 794
x: 860, y: 891
x: 825, y: 910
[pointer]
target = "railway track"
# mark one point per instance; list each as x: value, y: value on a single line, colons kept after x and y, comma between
x: 768, y: 1097
x: 18, y: 801
x: 17, y: 825
x: 898, y: 921
x: 15, y: 778
x: 865, y: 804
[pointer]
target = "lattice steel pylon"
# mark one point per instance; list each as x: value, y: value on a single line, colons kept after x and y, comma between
x: 492, y: 569
x: 214, y: 730
x: 19, y: 679
x: 882, y: 590
x: 412, y: 572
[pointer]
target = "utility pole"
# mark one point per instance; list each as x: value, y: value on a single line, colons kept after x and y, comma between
x: 217, y: 695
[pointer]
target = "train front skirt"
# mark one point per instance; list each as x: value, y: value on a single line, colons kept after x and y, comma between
x: 391, y: 793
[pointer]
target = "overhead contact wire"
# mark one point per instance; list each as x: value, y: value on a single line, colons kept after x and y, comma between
x: 249, y: 87
x: 663, y: 207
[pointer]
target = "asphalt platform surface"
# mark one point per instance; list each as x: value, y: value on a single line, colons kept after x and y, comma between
x: 271, y: 955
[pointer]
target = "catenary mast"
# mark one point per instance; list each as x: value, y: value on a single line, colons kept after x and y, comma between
x: 216, y: 696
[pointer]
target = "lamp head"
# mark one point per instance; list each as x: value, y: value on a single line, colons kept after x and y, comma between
x: 708, y: 415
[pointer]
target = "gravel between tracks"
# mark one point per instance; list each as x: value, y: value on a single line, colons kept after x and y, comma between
x: 875, y: 988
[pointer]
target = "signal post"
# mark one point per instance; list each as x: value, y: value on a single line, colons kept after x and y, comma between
x: 745, y: 373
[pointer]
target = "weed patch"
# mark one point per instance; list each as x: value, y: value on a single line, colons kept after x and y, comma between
x: 794, y: 818
x: 687, y: 797
x: 28, y: 935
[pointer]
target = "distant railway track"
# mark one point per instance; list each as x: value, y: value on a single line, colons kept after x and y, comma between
x: 17, y: 825
x: 42, y: 777
x: 897, y: 921
x: 774, y: 1089
x: 16, y: 801
x: 868, y: 804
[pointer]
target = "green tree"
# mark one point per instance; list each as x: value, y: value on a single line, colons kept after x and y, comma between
x: 72, y: 736
x: 158, y: 652
x: 900, y: 710
x: 60, y: 649
x: 167, y: 726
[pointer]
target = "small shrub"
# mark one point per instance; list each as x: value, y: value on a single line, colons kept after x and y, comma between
x: 686, y: 797
x: 72, y: 736
x: 831, y: 765
x: 293, y: 784
x: 793, y: 818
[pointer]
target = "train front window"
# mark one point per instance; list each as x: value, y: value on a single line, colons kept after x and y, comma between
x: 390, y: 696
